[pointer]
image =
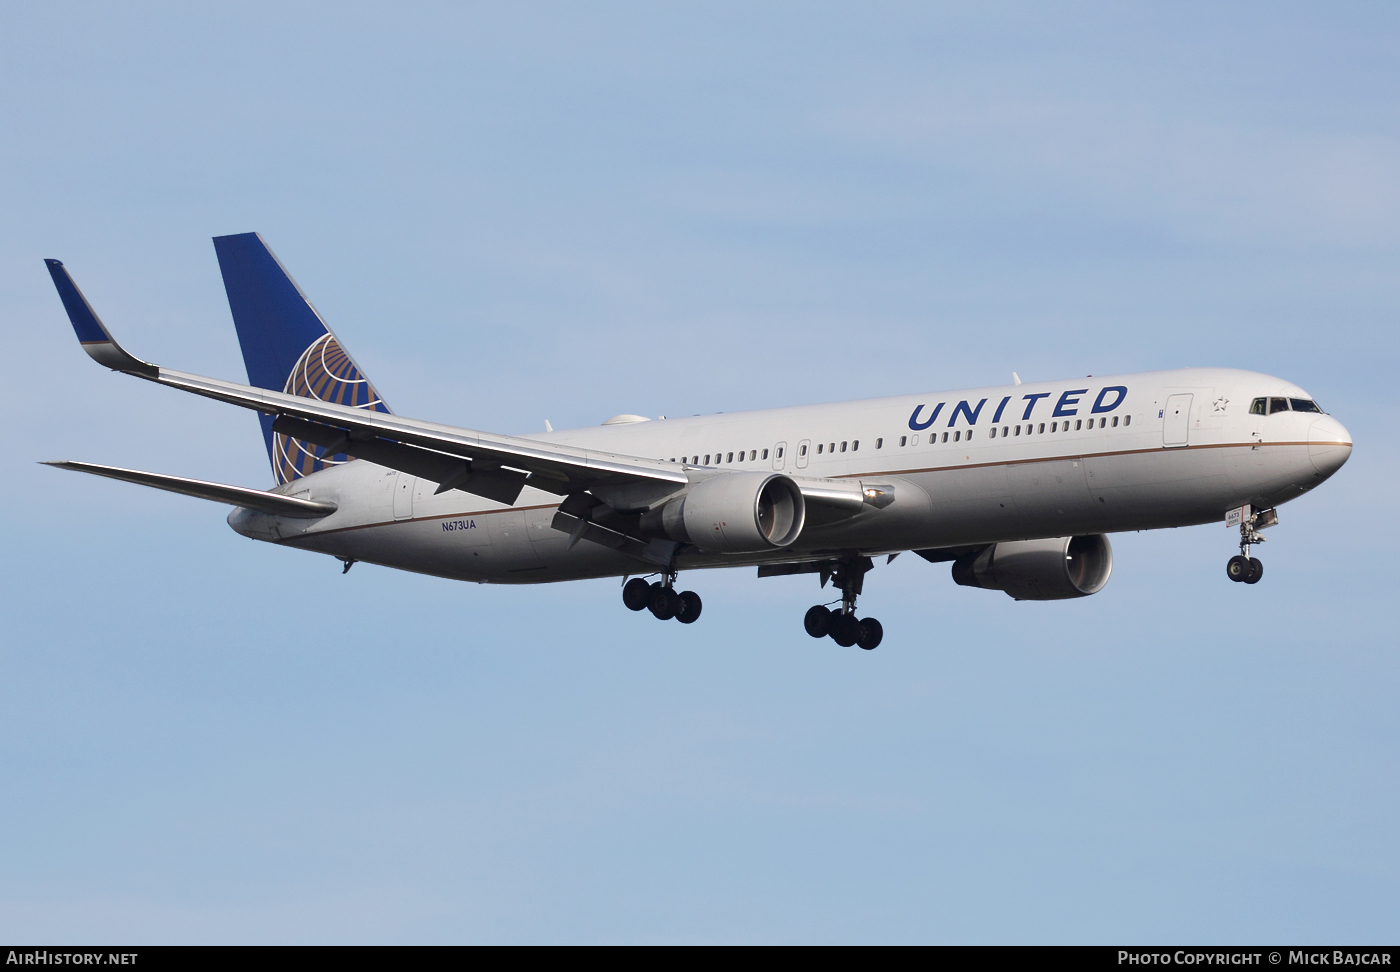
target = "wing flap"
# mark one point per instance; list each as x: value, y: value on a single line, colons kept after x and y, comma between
x: 450, y: 472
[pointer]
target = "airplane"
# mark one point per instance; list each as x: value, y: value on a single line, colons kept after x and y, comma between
x: 1016, y: 487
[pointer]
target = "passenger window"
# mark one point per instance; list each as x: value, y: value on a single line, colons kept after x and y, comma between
x: 904, y: 440
x: 1018, y: 430
x: 1304, y: 405
x: 707, y: 458
x: 780, y: 453
x: 1054, y: 426
x: 765, y: 453
x: 855, y: 444
x: 831, y: 448
x: 879, y: 443
x: 819, y: 448
x: 753, y: 454
x: 1278, y: 405
x: 1260, y: 406
x: 802, y: 451
x: 1127, y: 420
x: 957, y: 436
x: 1115, y: 421
x: 1042, y: 427
x: 945, y: 436
x: 741, y: 455
x: 1079, y: 424
x: 1103, y: 423
x: 843, y: 447
x: 969, y: 433
x: 913, y: 440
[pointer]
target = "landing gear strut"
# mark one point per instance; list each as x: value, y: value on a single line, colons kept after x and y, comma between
x: 842, y: 625
x: 662, y: 599
x: 1243, y: 568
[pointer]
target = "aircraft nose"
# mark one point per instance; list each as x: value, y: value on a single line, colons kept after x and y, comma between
x: 1329, y: 445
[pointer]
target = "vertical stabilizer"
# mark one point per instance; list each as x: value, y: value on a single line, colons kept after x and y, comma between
x: 287, y: 348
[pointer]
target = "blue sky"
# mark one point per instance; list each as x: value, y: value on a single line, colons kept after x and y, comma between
x: 518, y: 213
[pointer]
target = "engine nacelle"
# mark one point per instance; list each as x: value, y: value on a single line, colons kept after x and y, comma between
x: 1040, y: 570
x: 738, y: 512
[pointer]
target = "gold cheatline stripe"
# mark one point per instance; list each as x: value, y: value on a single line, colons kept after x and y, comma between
x: 865, y: 475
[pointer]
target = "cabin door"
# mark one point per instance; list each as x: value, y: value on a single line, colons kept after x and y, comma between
x: 1176, y: 419
x: 403, y: 496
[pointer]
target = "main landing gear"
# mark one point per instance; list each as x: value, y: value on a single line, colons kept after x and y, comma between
x: 661, y: 599
x: 842, y: 625
x: 1243, y: 568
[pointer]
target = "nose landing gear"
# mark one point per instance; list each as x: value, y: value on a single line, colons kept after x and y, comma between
x: 662, y: 599
x: 842, y: 625
x: 1243, y: 568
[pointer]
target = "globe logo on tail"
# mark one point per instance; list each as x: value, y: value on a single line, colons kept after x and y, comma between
x: 323, y: 372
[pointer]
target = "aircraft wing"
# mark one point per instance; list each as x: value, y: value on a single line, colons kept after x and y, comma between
x: 496, y: 466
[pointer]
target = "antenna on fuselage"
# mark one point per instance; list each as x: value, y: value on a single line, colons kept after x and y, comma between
x: 1015, y: 377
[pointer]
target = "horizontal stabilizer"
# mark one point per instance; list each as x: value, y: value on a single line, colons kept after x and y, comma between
x: 253, y: 499
x: 92, y: 334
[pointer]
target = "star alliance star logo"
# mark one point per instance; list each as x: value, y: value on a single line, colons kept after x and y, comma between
x: 1220, y: 403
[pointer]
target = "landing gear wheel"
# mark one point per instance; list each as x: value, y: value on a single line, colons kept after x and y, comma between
x: 871, y: 634
x: 845, y: 629
x: 1237, y: 568
x: 1256, y: 571
x: 636, y: 594
x: 664, y: 603
x: 818, y: 621
x: 689, y: 609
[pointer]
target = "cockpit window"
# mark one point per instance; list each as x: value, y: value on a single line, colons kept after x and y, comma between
x: 1304, y: 405
x: 1278, y: 405
x: 1260, y: 406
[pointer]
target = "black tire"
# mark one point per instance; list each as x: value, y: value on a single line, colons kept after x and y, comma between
x: 818, y: 621
x: 845, y: 629
x: 1237, y: 568
x: 636, y: 594
x: 689, y: 611
x: 871, y: 634
x: 664, y: 602
x: 1256, y: 571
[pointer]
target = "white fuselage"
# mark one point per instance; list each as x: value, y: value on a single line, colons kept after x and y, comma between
x: 972, y: 466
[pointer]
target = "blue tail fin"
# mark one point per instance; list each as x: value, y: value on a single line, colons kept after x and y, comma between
x: 287, y: 348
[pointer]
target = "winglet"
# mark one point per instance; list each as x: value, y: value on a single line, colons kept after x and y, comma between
x: 92, y: 335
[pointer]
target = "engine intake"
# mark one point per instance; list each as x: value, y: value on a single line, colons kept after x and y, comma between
x: 738, y: 512
x: 1040, y: 570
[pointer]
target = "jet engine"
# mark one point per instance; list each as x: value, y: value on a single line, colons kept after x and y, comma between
x: 738, y: 512
x: 1039, y: 570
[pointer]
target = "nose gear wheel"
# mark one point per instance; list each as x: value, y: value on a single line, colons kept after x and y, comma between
x: 1242, y: 568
